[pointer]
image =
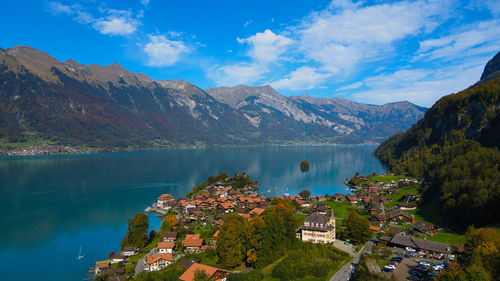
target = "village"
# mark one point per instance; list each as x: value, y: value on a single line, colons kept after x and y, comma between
x: 389, y: 203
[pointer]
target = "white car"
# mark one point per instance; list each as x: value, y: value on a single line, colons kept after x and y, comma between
x: 410, y: 249
x: 424, y: 263
x: 437, y: 268
x: 390, y: 266
x: 452, y: 257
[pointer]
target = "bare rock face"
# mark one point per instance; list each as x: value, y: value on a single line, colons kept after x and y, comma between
x: 71, y: 103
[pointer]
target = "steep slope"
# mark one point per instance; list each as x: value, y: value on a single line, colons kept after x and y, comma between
x: 456, y: 147
x: 106, y: 106
x: 72, y: 104
x: 334, y: 118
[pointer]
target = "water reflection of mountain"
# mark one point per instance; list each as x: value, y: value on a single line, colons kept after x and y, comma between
x: 40, y: 196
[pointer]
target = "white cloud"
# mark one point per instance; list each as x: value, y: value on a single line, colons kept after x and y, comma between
x: 58, y: 8
x: 235, y: 74
x: 419, y: 86
x: 479, y: 38
x: 350, y: 86
x: 345, y: 35
x: 302, y: 78
x: 266, y: 47
x: 163, y: 52
x: 114, y: 22
x: 115, y: 25
x: 145, y: 2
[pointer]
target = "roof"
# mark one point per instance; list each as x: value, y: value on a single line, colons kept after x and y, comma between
x: 257, y: 211
x: 216, y: 234
x: 102, y: 263
x: 169, y: 234
x: 393, y: 230
x: 408, y: 241
x: 166, y: 245
x: 316, y: 217
x: 246, y: 216
x: 422, y: 226
x: 374, y: 228
x: 189, y: 274
x: 192, y: 240
x: 153, y: 258
x: 129, y: 249
x: 317, y: 221
x: 227, y: 205
x: 118, y: 257
x: 398, y: 212
x: 165, y: 197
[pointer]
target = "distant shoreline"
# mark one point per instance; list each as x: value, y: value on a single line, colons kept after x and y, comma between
x: 68, y: 150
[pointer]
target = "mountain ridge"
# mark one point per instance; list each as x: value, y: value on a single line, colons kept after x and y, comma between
x: 92, y: 105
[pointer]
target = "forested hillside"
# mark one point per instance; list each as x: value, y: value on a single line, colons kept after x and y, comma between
x: 456, y: 147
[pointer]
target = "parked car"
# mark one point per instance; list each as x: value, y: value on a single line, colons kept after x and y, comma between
x: 452, y: 257
x: 413, y: 277
x: 410, y: 249
x: 398, y: 259
x: 387, y: 269
x: 424, y: 263
x: 390, y: 266
x: 416, y: 273
x: 432, y: 273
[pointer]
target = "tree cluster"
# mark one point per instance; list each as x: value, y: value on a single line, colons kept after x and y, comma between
x: 357, y: 228
x: 481, y: 260
x: 137, y: 232
x: 259, y: 241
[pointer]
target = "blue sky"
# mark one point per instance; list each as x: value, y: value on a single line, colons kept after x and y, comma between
x: 367, y: 51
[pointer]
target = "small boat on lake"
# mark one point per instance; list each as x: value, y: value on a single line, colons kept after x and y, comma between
x: 80, y: 256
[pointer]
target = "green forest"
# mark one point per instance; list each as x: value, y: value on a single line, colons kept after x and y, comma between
x: 455, y: 147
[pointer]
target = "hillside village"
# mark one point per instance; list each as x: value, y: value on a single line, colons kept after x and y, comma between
x: 191, y: 228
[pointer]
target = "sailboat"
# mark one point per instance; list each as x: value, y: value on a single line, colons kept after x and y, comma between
x: 80, y: 256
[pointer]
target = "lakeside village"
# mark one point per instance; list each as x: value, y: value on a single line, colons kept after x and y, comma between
x: 201, y: 238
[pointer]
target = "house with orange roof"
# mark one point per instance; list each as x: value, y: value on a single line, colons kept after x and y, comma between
x: 165, y: 247
x: 214, y: 273
x: 257, y: 211
x: 227, y: 207
x: 192, y: 242
x: 246, y: 216
x: 158, y: 261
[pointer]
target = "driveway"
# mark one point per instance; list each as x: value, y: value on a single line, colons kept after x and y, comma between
x: 345, y: 271
x: 139, y: 267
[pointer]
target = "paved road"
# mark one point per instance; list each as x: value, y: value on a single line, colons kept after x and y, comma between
x: 139, y: 267
x: 345, y: 272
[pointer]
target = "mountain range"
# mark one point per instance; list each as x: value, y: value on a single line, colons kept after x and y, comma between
x: 49, y: 101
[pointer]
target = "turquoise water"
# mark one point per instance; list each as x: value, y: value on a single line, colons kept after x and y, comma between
x: 52, y: 205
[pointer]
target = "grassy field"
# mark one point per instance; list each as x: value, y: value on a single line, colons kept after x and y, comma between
x: 385, y: 178
x: 401, y: 193
x: 428, y: 212
x: 448, y: 238
x: 340, y: 208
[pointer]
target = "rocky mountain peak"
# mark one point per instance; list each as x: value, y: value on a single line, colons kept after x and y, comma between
x: 491, y: 68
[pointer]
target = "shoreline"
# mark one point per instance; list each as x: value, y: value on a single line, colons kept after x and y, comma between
x: 66, y: 150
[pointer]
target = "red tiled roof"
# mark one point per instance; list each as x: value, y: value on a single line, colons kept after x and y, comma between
x: 188, y: 275
x: 165, y: 245
x: 192, y: 240
x: 153, y: 258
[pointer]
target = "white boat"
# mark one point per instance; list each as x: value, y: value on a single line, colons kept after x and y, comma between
x: 80, y: 256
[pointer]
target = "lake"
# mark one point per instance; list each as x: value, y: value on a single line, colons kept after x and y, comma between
x: 53, y: 205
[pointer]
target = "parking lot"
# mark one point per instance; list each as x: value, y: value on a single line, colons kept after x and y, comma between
x: 403, y: 270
